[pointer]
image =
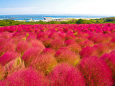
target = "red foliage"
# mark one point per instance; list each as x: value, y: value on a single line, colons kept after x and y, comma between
x: 43, y: 46
x: 44, y: 63
x: 66, y: 55
x: 31, y: 54
x: 110, y: 60
x: 7, y: 46
x: 75, y: 48
x: 7, y: 57
x: 88, y: 51
x: 66, y: 75
x: 22, y: 46
x: 26, y: 77
x: 95, y: 71
x: 49, y: 51
x: 57, y: 43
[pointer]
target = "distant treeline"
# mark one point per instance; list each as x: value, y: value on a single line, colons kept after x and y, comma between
x: 73, y: 21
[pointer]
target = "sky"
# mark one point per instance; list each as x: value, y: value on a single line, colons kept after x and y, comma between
x: 85, y: 7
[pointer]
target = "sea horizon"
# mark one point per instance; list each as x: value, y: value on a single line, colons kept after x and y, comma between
x: 42, y: 16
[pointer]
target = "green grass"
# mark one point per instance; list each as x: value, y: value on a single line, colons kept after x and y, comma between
x: 73, y: 21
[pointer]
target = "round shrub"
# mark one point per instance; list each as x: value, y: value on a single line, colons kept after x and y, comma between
x: 86, y: 43
x: 75, y: 48
x: 101, y: 49
x: 37, y: 43
x: 30, y: 55
x: 66, y: 75
x: 44, y: 63
x: 14, y: 65
x: 66, y: 55
x: 7, y: 47
x: 88, y: 51
x: 49, y: 51
x: 57, y: 43
x: 7, y: 57
x: 22, y: 46
x: 26, y: 77
x: 95, y: 71
x: 70, y: 41
x: 110, y: 60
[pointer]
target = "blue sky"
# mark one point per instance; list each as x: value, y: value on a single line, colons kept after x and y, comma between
x: 91, y: 7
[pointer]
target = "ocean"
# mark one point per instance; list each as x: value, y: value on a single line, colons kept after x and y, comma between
x: 41, y: 16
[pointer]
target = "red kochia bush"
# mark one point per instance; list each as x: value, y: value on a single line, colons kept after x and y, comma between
x: 45, y: 63
x: 5, y: 35
x: 47, y: 42
x: 86, y: 43
x: 7, y: 57
x: 66, y: 75
x: 66, y: 55
x: 95, y: 71
x: 22, y: 46
x: 99, y: 38
x: 110, y: 60
x: 88, y: 51
x: 3, y: 41
x: 30, y: 55
x: 37, y: 43
x: 96, y: 50
x: 26, y: 77
x: 57, y: 43
x: 14, y: 65
x: 101, y: 49
x: 7, y: 46
x: 49, y: 51
x: 1, y: 83
x: 70, y: 41
x: 75, y: 48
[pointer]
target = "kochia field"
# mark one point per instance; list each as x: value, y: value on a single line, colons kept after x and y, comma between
x: 57, y: 55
